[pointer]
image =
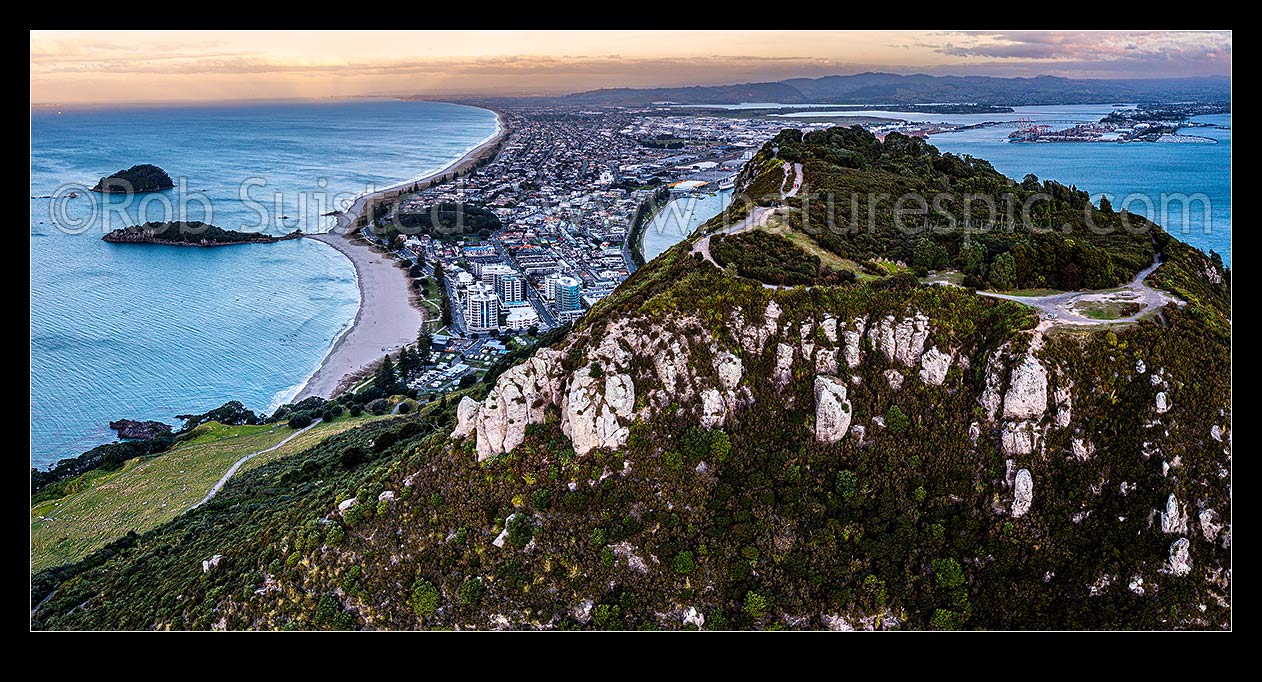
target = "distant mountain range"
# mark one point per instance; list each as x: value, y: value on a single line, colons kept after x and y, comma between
x: 889, y: 88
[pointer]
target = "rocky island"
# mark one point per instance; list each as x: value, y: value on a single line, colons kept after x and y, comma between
x: 138, y: 179
x: 190, y: 233
x: 130, y: 429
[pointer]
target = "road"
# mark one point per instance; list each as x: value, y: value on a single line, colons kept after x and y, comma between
x: 1060, y: 307
x: 237, y: 465
x: 757, y: 217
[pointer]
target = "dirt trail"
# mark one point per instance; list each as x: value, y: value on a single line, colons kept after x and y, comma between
x: 237, y: 465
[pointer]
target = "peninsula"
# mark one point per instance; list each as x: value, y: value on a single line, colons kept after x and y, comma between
x: 190, y: 233
x: 138, y: 179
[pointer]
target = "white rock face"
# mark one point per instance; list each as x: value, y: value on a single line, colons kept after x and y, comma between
x: 1024, y: 487
x: 1211, y: 524
x: 346, y: 504
x: 901, y: 341
x: 991, y: 398
x: 211, y: 563
x: 836, y: 623
x: 808, y: 344
x: 852, y: 336
x: 1163, y: 403
x: 713, y: 412
x: 624, y: 550
x: 783, y: 371
x: 832, y: 410
x: 894, y: 378
x: 1180, y: 558
x: 1081, y: 449
x: 934, y: 365
x: 1216, y: 432
x: 518, y: 399
x: 386, y: 496
x: 1027, y: 391
x: 826, y: 361
x: 1140, y: 368
x: 974, y: 432
x: 583, y: 612
x: 466, y: 414
x: 694, y: 617
x: 1019, y: 438
x: 592, y: 419
x: 1174, y: 519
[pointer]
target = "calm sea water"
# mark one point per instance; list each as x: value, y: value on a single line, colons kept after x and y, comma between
x: 148, y: 332
x: 1134, y: 175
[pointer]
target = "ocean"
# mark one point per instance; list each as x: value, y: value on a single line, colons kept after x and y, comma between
x: 149, y: 332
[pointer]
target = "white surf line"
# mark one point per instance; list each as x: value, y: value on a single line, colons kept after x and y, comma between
x: 237, y: 465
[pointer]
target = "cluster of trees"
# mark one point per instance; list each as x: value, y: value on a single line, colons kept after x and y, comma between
x: 970, y: 216
x: 774, y: 259
x: 446, y: 219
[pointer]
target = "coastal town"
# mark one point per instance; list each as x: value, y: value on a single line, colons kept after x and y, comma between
x: 530, y: 239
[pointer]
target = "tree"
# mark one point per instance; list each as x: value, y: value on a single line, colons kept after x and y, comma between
x: 896, y: 420
x: 386, y: 379
x: 755, y: 605
x: 1106, y: 206
x: 424, y: 344
x: 425, y: 598
x: 1003, y: 272
x: 300, y: 421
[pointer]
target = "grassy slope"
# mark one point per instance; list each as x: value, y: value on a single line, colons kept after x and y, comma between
x: 148, y: 492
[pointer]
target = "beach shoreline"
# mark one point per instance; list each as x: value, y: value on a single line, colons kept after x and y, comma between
x: 388, y: 316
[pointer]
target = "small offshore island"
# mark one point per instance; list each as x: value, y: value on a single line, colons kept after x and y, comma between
x: 190, y: 233
x: 138, y: 179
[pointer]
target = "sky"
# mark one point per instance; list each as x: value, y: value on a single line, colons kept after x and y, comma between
x: 70, y: 67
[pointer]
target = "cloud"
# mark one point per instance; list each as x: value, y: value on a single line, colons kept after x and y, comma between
x: 1163, y: 52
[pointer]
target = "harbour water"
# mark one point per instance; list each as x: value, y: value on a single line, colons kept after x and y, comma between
x: 679, y: 217
x: 149, y: 332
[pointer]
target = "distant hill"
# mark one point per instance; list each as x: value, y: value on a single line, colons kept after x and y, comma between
x: 890, y: 88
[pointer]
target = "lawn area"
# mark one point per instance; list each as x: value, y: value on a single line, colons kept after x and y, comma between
x: 148, y: 492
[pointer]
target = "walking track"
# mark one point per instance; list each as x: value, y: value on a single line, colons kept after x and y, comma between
x: 237, y: 465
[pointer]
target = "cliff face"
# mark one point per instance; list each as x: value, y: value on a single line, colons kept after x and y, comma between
x: 1053, y: 443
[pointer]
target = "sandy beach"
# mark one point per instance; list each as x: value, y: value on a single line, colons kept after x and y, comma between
x: 387, y: 318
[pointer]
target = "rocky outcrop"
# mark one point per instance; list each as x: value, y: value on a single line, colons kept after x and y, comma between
x: 1163, y: 403
x: 1175, y: 518
x: 851, y: 337
x: 466, y: 414
x: 1180, y: 563
x: 518, y: 399
x: 902, y: 341
x: 1024, y: 493
x: 211, y: 563
x: 894, y: 378
x: 593, y: 418
x: 1211, y: 524
x: 134, y: 430
x: 783, y: 371
x: 1027, y: 391
x: 1019, y: 438
x: 832, y: 409
x: 934, y: 365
